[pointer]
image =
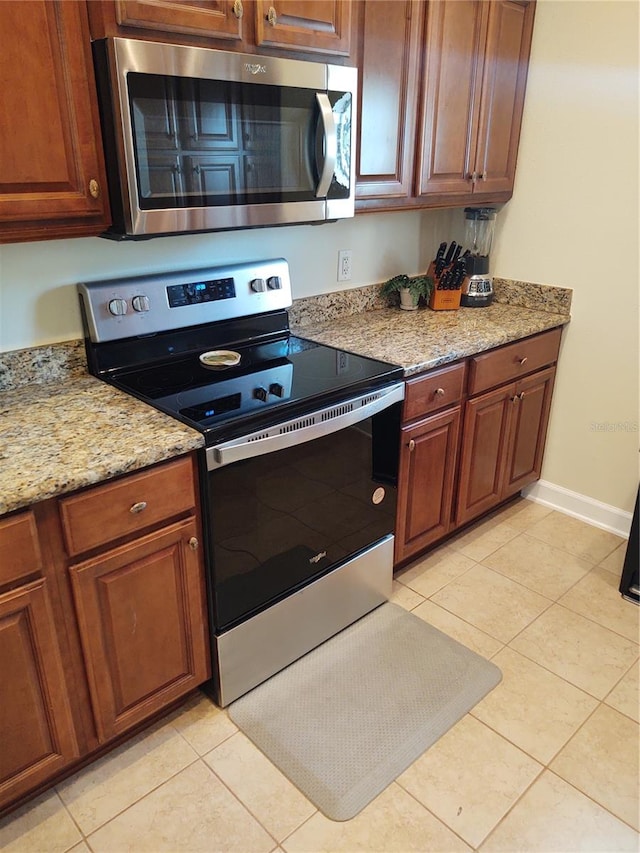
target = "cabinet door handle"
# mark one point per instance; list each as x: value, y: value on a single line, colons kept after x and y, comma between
x: 483, y: 176
x: 193, y: 543
x: 238, y: 11
x: 521, y: 395
x: 272, y: 16
x: 523, y: 361
x: 411, y: 446
x: 473, y: 177
x: 138, y: 507
x: 94, y: 188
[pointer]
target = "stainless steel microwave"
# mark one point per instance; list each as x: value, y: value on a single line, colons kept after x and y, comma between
x: 206, y: 140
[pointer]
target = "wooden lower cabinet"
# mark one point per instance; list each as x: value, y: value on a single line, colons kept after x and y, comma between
x: 503, y: 443
x: 428, y: 457
x: 36, y: 728
x: 103, y: 620
x: 141, y: 613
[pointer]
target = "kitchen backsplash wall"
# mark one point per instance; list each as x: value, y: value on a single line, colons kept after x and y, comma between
x: 38, y: 301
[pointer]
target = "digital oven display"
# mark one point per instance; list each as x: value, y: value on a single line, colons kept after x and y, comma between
x: 196, y: 292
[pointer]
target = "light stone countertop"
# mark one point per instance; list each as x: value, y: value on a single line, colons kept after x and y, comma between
x: 58, y: 437
x: 423, y: 339
x: 62, y: 429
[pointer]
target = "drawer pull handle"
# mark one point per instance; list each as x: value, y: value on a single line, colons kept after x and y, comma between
x: 138, y: 507
x: 193, y: 543
x: 411, y: 446
x: 439, y: 392
x: 523, y: 361
x: 272, y: 16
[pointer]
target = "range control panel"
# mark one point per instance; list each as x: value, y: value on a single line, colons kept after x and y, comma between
x: 143, y: 305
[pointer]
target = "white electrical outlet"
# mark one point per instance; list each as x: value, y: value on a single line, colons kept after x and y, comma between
x: 344, y: 264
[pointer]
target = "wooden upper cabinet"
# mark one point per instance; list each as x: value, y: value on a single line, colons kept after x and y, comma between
x: 52, y: 179
x: 312, y: 25
x: 389, y: 76
x: 450, y: 101
x: 504, y: 78
x: 475, y: 75
x: 214, y: 18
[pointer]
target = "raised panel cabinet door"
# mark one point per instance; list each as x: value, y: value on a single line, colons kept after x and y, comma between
x: 389, y: 69
x: 428, y: 459
x: 52, y: 181
x: 215, y: 18
x: 450, y: 102
x: 37, y: 737
x: 510, y: 26
x: 322, y: 26
x: 528, y: 430
x: 142, y: 619
x: 483, y: 456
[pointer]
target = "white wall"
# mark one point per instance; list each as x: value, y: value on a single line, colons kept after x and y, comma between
x: 38, y: 302
x: 573, y: 222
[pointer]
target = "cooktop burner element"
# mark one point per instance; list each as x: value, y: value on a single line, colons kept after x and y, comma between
x: 156, y: 353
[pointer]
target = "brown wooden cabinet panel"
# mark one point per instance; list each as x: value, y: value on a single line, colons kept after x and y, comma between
x: 36, y: 728
x: 428, y: 459
x: 528, y: 430
x: 504, y: 79
x: 483, y: 453
x: 214, y: 18
x: 451, y: 99
x: 389, y: 75
x: 52, y: 180
x: 311, y: 25
x: 512, y: 361
x: 19, y: 548
x: 141, y: 613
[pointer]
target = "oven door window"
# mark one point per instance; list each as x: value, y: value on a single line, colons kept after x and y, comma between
x: 281, y: 520
x: 208, y: 143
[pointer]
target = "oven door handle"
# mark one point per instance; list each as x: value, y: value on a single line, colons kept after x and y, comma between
x: 305, y: 428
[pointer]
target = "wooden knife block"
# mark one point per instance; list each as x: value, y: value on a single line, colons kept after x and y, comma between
x: 442, y: 300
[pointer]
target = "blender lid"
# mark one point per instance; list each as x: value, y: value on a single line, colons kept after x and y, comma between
x: 480, y: 212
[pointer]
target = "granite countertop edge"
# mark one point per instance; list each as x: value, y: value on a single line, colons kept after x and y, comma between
x: 62, y: 429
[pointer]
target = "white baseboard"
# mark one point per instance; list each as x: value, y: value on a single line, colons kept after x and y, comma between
x: 587, y: 509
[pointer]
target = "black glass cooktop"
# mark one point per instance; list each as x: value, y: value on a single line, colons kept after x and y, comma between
x: 272, y: 381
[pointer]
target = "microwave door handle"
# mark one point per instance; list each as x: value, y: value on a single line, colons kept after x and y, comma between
x: 329, y: 144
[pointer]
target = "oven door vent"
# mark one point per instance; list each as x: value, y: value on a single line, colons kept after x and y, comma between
x: 296, y: 425
x: 337, y: 412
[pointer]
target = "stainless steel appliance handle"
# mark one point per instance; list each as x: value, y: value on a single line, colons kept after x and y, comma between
x: 305, y: 428
x: 330, y: 140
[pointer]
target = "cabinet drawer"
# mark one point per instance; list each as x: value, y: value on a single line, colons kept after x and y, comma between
x: 512, y: 361
x: 435, y: 390
x: 19, y: 548
x: 108, y: 512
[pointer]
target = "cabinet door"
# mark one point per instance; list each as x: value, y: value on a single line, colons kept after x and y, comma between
x: 310, y: 25
x: 504, y: 79
x: 528, y: 430
x: 389, y: 68
x: 52, y: 181
x: 450, y: 102
x: 214, y: 18
x: 141, y: 613
x: 36, y: 728
x: 483, y: 456
x: 427, y: 469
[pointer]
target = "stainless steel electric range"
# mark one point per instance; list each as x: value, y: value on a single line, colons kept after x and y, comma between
x: 299, y: 470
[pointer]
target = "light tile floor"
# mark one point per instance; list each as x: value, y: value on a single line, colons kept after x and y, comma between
x: 548, y: 761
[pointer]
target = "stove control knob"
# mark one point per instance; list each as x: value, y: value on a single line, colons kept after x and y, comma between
x: 258, y: 285
x: 276, y: 389
x: 118, y: 307
x: 274, y: 282
x: 260, y: 393
x: 140, y: 303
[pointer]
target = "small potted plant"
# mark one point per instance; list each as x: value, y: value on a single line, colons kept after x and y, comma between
x: 411, y: 289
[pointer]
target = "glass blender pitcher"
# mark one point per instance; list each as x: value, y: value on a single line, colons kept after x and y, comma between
x: 477, y: 289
